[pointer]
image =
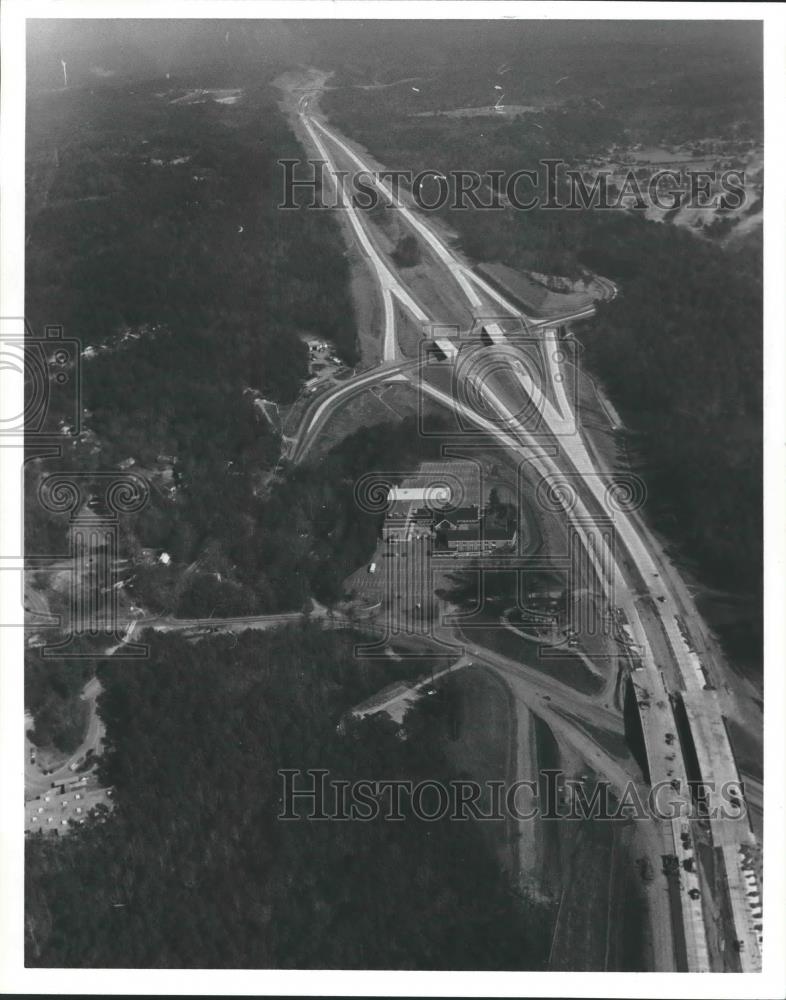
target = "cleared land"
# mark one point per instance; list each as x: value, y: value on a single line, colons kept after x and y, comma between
x: 482, y: 744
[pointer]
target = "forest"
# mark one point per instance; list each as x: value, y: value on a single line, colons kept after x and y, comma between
x: 596, y: 82
x: 153, y: 232
x: 155, y: 239
x: 261, y: 557
x: 157, y: 217
x: 52, y: 689
x: 192, y: 868
x: 681, y: 354
x: 153, y: 236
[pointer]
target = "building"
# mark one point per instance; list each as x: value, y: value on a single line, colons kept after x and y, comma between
x: 443, y: 502
x: 479, y: 538
x: 424, y: 494
x: 411, y: 511
x: 460, y: 519
x: 467, y: 529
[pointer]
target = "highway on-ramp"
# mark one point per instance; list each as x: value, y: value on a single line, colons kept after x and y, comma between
x: 632, y: 568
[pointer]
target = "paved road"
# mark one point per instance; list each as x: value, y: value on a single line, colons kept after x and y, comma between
x: 322, y: 408
x: 661, y: 631
x: 449, y: 260
x: 389, y: 284
x: 513, y: 434
x: 658, y: 633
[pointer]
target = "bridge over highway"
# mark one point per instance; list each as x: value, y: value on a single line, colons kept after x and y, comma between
x: 657, y: 628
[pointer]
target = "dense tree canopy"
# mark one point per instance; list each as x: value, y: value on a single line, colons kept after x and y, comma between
x: 193, y: 869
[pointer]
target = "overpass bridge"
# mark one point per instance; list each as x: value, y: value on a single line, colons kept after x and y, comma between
x: 732, y: 835
x: 635, y: 568
x: 667, y: 769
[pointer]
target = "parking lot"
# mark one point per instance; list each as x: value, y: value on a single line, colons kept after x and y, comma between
x: 54, y: 811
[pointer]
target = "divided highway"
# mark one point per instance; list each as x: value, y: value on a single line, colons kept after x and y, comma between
x: 389, y: 284
x: 672, y: 659
x: 632, y: 567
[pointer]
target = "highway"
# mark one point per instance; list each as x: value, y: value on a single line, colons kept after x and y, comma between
x: 633, y: 567
x: 674, y: 651
x: 392, y: 365
x: 659, y: 720
x: 390, y: 285
x: 457, y: 270
x: 715, y: 756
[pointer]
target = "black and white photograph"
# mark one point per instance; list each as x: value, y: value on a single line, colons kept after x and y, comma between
x: 392, y: 531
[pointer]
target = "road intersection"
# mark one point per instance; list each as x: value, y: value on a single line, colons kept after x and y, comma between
x: 672, y: 657
x: 666, y: 661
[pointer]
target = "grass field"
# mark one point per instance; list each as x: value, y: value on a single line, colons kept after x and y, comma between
x: 482, y: 746
x: 363, y: 410
x: 566, y: 668
x: 602, y: 918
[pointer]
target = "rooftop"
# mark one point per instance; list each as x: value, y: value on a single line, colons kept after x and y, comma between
x: 409, y: 494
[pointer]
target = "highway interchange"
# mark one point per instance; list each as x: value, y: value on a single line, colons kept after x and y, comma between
x: 673, y: 654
